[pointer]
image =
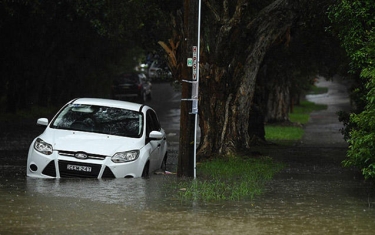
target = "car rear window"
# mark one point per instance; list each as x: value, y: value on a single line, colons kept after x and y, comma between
x: 126, y: 78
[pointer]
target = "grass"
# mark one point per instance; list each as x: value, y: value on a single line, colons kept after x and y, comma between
x: 232, y: 178
x: 301, y: 112
x: 287, y: 133
x: 298, y: 118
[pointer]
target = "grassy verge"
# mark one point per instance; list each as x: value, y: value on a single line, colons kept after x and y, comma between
x: 241, y: 177
x: 233, y: 178
x: 283, y: 133
x: 293, y: 132
x: 301, y: 113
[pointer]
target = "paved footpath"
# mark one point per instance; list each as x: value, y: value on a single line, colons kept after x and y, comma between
x: 314, y: 193
x: 324, y: 127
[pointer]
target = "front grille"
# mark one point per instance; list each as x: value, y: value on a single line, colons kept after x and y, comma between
x: 89, y: 155
x: 70, y: 169
x: 50, y: 169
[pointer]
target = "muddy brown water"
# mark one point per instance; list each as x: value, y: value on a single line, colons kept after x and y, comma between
x: 312, y: 195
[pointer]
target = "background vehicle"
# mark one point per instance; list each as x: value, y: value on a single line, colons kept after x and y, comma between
x: 159, y: 71
x: 98, y: 138
x: 132, y: 87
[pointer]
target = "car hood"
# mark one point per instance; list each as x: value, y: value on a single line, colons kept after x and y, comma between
x: 90, y: 142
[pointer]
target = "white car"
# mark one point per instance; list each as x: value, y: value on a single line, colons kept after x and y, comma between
x: 99, y: 138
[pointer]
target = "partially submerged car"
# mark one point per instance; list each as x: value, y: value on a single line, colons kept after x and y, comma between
x: 98, y: 138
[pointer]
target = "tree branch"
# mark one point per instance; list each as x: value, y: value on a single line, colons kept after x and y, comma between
x: 225, y: 10
x: 213, y: 10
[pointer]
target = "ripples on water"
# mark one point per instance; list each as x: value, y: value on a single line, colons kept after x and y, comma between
x: 138, y: 206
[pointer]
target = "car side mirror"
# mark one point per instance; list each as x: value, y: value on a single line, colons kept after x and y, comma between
x: 42, y: 122
x: 156, y: 135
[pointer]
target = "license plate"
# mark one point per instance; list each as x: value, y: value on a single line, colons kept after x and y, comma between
x: 78, y: 168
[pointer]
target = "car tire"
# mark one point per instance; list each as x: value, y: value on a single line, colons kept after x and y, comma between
x: 146, y: 171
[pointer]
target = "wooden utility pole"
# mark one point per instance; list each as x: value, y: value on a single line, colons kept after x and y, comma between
x: 187, y: 120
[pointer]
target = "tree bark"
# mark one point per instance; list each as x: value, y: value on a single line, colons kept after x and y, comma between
x: 229, y: 87
x: 278, y: 103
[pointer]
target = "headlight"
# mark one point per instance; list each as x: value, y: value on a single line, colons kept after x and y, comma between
x: 43, y: 147
x: 125, y: 156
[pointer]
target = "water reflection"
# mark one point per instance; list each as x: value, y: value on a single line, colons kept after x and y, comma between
x: 118, y: 191
x: 138, y: 206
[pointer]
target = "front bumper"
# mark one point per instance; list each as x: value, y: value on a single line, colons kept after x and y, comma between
x: 57, y: 165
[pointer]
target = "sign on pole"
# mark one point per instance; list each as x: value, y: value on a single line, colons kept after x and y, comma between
x: 195, y: 54
x: 190, y: 62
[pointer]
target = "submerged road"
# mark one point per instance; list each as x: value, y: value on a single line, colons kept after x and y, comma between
x: 312, y: 195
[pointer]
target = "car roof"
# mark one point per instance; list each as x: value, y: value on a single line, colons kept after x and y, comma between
x: 111, y: 103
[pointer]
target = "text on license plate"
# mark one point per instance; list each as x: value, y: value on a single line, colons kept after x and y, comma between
x: 78, y: 168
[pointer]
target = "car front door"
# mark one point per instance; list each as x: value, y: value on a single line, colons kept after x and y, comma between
x: 156, y: 154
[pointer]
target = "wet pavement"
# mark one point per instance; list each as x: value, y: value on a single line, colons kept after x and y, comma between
x: 312, y: 195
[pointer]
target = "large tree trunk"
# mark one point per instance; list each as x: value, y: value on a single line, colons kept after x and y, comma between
x: 278, y: 97
x: 228, y: 88
x: 278, y: 101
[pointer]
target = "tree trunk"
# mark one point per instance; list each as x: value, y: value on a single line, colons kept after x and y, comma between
x: 256, y: 128
x: 229, y: 87
x: 278, y: 102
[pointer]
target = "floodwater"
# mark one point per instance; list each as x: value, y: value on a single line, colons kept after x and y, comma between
x: 312, y: 195
x: 138, y: 206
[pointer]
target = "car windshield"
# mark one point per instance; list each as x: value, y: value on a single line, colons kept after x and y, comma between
x: 100, y: 119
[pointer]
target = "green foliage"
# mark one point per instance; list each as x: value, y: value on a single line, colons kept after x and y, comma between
x: 355, y: 24
x: 232, y: 178
x: 362, y: 136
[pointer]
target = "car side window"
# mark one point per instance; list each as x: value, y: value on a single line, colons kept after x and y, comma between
x: 152, y: 122
x: 149, y: 124
x: 156, y: 121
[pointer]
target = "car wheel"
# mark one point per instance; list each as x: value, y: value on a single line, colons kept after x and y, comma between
x: 146, y: 171
x: 164, y: 162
